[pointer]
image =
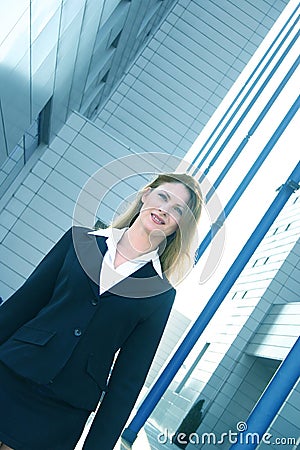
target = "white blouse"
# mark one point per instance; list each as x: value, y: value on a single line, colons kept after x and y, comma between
x: 109, y: 275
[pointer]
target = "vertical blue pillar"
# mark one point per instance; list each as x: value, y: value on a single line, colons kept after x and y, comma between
x: 257, y: 122
x: 159, y: 387
x: 269, y: 403
x: 248, y: 177
x: 247, y: 93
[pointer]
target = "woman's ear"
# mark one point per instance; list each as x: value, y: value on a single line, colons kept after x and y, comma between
x: 145, y: 194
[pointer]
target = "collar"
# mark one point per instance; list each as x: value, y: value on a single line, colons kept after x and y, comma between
x: 113, y: 237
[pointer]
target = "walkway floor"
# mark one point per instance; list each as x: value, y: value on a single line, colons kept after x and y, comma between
x: 156, y: 440
x: 149, y: 438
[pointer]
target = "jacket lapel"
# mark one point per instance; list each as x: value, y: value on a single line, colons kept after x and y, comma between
x: 90, y: 250
x: 144, y: 282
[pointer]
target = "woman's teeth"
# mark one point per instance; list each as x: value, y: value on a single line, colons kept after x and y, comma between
x: 157, y: 220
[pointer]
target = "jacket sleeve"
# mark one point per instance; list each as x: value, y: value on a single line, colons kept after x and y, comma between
x: 36, y: 292
x: 127, y: 379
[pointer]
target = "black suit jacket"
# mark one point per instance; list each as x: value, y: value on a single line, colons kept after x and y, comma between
x: 56, y: 330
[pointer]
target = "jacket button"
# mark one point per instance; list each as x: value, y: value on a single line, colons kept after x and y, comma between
x: 94, y: 302
x: 77, y: 332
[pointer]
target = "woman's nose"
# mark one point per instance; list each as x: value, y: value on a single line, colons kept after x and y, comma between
x: 163, y: 210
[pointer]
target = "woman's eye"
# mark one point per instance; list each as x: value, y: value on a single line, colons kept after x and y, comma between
x: 178, y: 210
x: 163, y: 196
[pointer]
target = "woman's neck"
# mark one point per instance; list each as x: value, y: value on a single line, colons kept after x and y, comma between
x: 136, y: 241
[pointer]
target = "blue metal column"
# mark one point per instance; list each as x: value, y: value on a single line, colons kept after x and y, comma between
x: 251, y: 104
x: 270, y: 402
x: 254, y: 127
x: 246, y: 95
x: 248, y: 178
x: 159, y: 387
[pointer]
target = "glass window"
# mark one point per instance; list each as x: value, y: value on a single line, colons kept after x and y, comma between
x: 296, y: 199
x: 260, y: 261
x: 41, y: 14
x: 109, y: 7
x: 44, y: 123
x: 37, y: 132
x: 12, y: 15
x: 31, y: 140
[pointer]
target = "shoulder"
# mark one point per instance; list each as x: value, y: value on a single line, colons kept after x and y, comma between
x: 89, y: 234
x: 81, y: 231
x: 84, y: 235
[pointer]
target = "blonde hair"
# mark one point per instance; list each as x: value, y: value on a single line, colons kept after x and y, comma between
x: 177, y: 257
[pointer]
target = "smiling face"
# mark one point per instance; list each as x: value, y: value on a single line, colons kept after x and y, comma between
x: 163, y: 208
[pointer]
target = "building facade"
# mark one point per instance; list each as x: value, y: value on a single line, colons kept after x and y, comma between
x: 121, y: 88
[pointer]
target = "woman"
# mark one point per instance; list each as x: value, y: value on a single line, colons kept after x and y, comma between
x: 86, y: 324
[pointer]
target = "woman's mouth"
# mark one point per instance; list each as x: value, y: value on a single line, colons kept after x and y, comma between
x: 157, y: 219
